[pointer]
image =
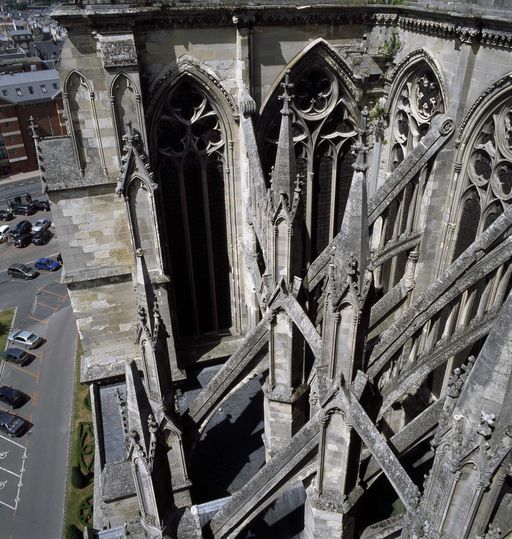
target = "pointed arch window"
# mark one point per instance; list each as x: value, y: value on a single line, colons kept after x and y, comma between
x: 192, y: 167
x: 487, y: 174
x: 324, y: 130
x: 78, y: 98
x: 417, y: 100
x: 125, y: 98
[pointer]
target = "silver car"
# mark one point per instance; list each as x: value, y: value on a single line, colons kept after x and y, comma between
x: 25, y: 338
x: 41, y: 224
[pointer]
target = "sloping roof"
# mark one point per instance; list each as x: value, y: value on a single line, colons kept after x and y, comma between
x: 47, y: 50
x: 30, y: 86
x: 20, y: 33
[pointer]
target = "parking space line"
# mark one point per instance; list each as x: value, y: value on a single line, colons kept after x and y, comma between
x: 41, y: 320
x: 50, y: 292
x: 9, y: 471
x: 36, y: 375
x: 12, y: 442
x: 7, y: 505
x: 52, y: 307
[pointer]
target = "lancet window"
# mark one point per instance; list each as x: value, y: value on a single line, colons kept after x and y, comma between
x: 192, y: 167
x: 487, y: 176
x: 125, y: 99
x: 324, y: 130
x: 460, y: 328
x: 78, y: 99
x: 486, y: 192
x: 417, y: 100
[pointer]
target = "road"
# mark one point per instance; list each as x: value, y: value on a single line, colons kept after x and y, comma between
x: 32, y: 186
x: 33, y: 467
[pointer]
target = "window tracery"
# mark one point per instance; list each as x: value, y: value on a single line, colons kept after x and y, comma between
x: 417, y: 101
x: 191, y: 146
x: 324, y: 130
x: 487, y: 177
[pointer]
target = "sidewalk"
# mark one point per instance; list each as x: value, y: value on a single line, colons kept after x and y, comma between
x: 14, y: 178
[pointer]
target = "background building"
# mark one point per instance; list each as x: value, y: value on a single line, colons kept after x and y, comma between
x: 314, y: 199
x: 25, y: 95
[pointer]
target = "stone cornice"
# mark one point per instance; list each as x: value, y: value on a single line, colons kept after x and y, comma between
x: 464, y: 25
x: 85, y: 275
x: 450, y: 26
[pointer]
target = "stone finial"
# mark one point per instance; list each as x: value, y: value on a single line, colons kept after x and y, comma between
x: 486, y: 426
x: 152, y: 424
x: 285, y: 97
x: 33, y: 128
x: 284, y: 174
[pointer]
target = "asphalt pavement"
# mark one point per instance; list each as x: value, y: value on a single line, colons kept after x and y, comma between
x: 25, y: 183
x: 33, y: 467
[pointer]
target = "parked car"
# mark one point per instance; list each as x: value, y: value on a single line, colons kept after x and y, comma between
x: 23, y: 227
x: 43, y: 205
x: 24, y: 338
x: 42, y: 237
x: 47, y: 264
x: 23, y: 240
x: 6, y: 215
x: 41, y: 224
x: 4, y: 233
x: 13, y: 397
x: 17, y: 355
x: 25, y: 209
x: 12, y: 424
x: 21, y: 271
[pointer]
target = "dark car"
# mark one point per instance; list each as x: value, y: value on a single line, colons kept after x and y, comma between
x: 23, y: 227
x: 12, y: 424
x: 23, y: 240
x: 6, y: 215
x: 21, y: 271
x: 41, y: 237
x: 43, y: 205
x: 47, y: 264
x: 25, y: 209
x: 17, y: 355
x: 13, y: 397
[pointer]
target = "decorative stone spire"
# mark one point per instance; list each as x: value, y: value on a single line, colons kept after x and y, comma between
x: 472, y: 442
x: 352, y: 249
x: 486, y: 400
x: 285, y: 174
x: 139, y: 408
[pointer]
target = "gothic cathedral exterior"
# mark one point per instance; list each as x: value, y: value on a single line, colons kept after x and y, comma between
x: 315, y: 195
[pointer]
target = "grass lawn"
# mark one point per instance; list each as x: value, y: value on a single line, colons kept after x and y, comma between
x: 76, y: 495
x: 6, y: 318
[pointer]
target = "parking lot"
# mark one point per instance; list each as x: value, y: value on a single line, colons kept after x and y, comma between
x: 12, y: 467
x: 33, y: 466
x: 10, y: 254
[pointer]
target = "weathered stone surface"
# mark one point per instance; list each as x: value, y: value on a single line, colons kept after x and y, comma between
x: 187, y: 238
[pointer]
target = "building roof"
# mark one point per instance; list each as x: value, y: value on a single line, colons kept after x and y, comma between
x: 20, y: 33
x: 30, y: 86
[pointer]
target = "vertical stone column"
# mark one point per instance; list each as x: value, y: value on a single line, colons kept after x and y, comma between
x: 325, y: 516
x: 247, y: 106
x: 284, y: 391
x: 437, y: 226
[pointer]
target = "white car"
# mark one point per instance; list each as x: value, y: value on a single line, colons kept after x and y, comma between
x: 41, y: 224
x: 4, y: 232
x: 25, y: 338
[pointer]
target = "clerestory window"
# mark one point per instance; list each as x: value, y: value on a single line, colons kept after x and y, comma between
x: 192, y: 148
